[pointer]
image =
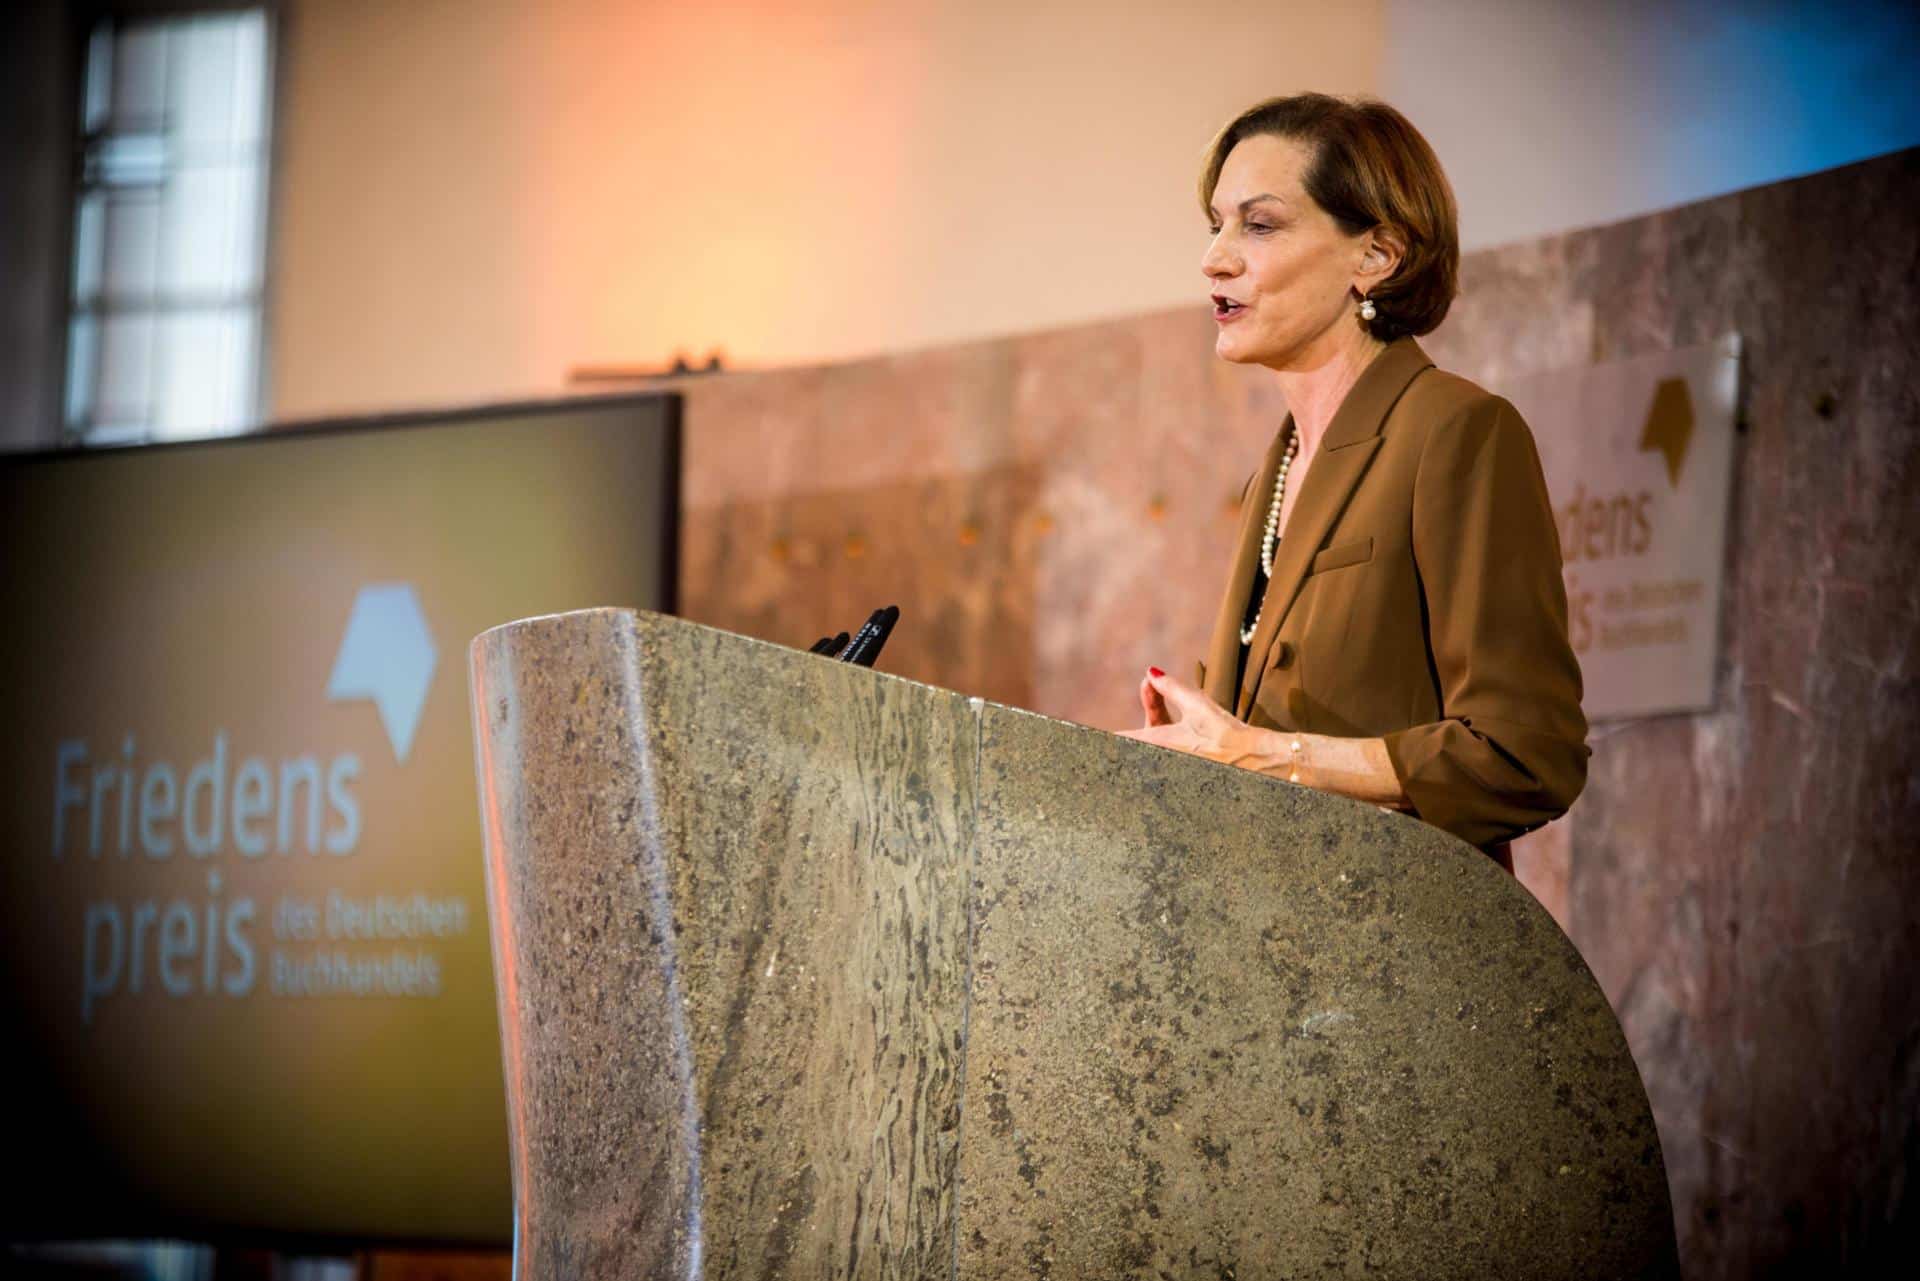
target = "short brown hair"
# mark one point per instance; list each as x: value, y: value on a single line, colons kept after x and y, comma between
x: 1370, y: 166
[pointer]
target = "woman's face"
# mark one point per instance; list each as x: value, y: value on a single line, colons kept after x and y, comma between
x: 1280, y: 270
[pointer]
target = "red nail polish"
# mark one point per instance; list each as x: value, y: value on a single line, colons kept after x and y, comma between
x: 1154, y: 671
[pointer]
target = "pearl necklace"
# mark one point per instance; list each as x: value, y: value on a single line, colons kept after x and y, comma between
x: 1271, y: 541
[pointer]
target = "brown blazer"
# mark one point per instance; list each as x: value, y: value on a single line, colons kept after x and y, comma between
x: 1417, y: 597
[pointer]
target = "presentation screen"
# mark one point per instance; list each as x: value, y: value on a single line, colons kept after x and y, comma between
x: 245, y: 930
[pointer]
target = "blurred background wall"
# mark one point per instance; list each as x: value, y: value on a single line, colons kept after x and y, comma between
x: 1550, y: 116
x: 474, y: 198
x: 478, y: 195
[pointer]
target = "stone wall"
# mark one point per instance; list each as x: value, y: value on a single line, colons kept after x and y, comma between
x: 1053, y: 512
x: 1744, y: 882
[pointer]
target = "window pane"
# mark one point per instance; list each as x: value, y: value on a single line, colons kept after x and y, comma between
x: 83, y: 349
x: 89, y: 248
x: 123, y: 386
x: 133, y: 246
x: 207, y: 235
x: 98, y: 97
x: 139, y: 76
x: 201, y: 89
x: 207, y: 356
x: 250, y: 79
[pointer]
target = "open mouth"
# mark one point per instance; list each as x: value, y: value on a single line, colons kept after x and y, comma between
x: 1226, y: 308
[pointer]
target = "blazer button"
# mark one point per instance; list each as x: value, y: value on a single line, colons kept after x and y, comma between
x: 1283, y: 656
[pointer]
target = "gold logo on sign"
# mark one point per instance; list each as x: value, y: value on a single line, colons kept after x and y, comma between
x: 1669, y: 426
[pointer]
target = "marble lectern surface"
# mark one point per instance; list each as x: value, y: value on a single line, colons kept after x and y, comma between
x: 809, y: 971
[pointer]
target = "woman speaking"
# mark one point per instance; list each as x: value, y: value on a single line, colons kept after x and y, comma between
x: 1394, y: 627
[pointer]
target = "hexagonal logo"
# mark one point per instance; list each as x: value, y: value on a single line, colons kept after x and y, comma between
x: 387, y: 656
x: 1669, y: 426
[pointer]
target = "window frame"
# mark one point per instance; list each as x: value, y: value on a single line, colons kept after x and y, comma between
x: 84, y: 17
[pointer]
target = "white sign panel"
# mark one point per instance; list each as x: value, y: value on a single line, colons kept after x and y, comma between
x: 1639, y: 462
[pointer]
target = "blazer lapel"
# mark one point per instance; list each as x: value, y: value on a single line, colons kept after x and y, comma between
x: 1351, y: 441
x: 1223, y: 652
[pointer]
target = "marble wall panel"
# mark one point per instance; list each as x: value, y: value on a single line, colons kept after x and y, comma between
x: 1052, y: 512
x: 1743, y: 881
x: 958, y: 554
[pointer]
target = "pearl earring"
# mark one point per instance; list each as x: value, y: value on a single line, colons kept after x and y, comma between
x: 1367, y: 311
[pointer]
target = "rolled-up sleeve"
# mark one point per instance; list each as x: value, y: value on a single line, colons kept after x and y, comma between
x: 1510, y: 752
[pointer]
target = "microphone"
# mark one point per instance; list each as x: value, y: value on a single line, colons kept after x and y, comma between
x: 865, y: 648
x: 860, y: 637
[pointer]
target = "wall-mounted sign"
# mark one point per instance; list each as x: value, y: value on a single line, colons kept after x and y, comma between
x: 1639, y: 462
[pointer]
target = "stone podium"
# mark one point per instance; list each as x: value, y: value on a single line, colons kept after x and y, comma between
x: 809, y: 971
